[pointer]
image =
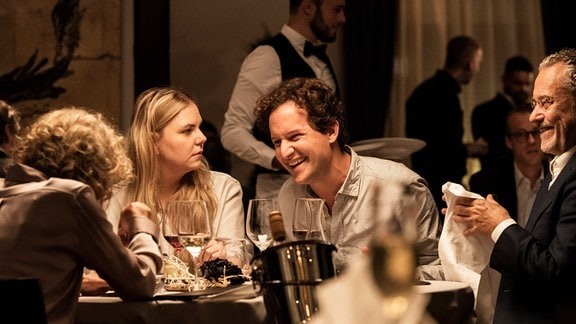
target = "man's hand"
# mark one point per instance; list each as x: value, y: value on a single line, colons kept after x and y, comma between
x: 480, y: 215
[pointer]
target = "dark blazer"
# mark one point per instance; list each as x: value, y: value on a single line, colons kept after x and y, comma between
x: 538, y: 263
x: 499, y: 181
x: 434, y: 115
x: 489, y: 122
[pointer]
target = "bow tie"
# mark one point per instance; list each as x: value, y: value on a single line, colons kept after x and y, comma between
x: 318, y: 51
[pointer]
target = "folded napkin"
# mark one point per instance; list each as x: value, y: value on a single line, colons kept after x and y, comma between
x: 353, y: 298
x: 467, y: 258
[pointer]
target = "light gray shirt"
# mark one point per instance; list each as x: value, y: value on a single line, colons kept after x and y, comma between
x: 351, y: 224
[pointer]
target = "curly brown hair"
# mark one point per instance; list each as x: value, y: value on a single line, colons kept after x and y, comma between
x: 75, y: 143
x: 313, y: 95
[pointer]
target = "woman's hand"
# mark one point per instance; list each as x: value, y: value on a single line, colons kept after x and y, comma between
x: 212, y: 251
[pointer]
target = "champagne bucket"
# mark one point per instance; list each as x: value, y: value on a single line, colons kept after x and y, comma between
x: 287, y: 276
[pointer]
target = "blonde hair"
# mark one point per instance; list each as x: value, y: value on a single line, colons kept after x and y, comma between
x: 154, y: 109
x: 75, y: 143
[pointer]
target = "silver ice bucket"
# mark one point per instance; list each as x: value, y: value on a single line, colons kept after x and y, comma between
x: 287, y: 276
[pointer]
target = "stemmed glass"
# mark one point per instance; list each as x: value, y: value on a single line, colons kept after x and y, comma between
x: 393, y: 256
x: 257, y: 223
x: 308, y: 219
x: 194, y: 230
x: 236, y: 251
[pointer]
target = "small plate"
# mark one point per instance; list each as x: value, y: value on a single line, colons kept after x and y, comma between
x: 189, y: 295
x: 391, y: 148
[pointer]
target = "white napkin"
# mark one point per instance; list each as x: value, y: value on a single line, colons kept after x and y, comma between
x: 353, y: 298
x: 466, y: 259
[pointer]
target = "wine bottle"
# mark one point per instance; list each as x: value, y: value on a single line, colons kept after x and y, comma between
x: 277, y: 227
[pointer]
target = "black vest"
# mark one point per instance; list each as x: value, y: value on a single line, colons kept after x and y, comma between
x: 292, y: 66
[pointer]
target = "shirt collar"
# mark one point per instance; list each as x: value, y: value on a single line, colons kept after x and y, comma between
x: 559, y: 162
x: 351, y: 185
x: 295, y: 38
x: 508, y: 98
x: 519, y: 177
x: 20, y: 173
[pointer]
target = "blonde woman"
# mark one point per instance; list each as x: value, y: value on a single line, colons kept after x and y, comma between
x: 166, y: 143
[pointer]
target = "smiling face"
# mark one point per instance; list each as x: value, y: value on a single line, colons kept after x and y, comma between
x: 303, y: 151
x: 179, y: 145
x: 554, y: 110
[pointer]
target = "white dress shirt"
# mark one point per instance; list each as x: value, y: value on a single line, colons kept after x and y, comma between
x: 525, y: 194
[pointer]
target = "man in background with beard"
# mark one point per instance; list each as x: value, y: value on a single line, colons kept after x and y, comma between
x: 489, y: 118
x: 297, y: 51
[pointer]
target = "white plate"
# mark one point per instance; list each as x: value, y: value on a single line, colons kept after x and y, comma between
x: 392, y: 148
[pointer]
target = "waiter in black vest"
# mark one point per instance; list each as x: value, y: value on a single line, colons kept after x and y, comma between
x: 297, y: 51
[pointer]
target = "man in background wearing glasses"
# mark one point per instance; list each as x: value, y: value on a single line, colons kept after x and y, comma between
x: 516, y: 180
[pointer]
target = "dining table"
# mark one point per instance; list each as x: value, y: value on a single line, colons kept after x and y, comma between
x: 231, y: 305
x: 450, y: 302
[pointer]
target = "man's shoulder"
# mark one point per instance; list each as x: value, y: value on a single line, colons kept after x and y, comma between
x: 496, y: 103
x: 221, y: 178
x: 386, y: 169
x: 437, y: 85
x: 493, y: 175
x: 50, y: 187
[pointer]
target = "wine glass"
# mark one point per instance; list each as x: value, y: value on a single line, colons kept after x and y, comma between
x: 393, y: 256
x: 193, y: 228
x: 236, y: 251
x: 257, y: 222
x: 169, y: 229
x: 308, y: 219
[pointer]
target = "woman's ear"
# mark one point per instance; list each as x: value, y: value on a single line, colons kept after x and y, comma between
x: 155, y: 138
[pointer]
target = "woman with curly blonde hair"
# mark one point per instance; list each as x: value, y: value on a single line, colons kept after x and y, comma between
x: 52, y: 223
x: 94, y: 155
x: 166, y: 144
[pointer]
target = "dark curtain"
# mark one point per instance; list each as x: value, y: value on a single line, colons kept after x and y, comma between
x: 557, y: 18
x: 369, y: 47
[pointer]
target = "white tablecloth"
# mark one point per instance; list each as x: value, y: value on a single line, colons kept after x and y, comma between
x: 239, y: 306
